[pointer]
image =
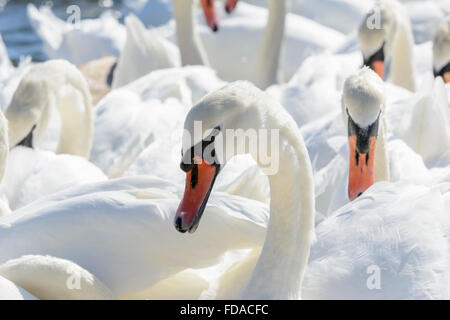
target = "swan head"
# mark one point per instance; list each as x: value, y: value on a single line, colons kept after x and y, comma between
x: 362, y: 101
x: 25, y: 109
x: 230, y: 5
x: 441, y: 51
x: 211, y: 15
x: 209, y: 141
x: 374, y: 35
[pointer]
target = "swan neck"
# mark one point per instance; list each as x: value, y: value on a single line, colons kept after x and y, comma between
x: 401, y: 46
x: 381, y: 155
x: 191, y: 47
x: 267, y: 63
x: 76, y: 125
x: 280, y: 268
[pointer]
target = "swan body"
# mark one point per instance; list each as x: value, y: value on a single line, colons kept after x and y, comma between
x: 142, y: 208
x: 11, y: 291
x: 103, y: 36
x: 122, y: 118
x: 386, y: 33
x: 144, y: 52
x: 52, y: 278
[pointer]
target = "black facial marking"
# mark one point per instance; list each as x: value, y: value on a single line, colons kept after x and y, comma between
x: 377, y: 56
x: 109, y: 78
x: 442, y: 71
x: 363, y: 135
x: 28, y: 140
x: 188, y: 162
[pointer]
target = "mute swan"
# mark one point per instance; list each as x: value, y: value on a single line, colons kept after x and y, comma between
x: 31, y: 174
x: 246, y: 28
x: 280, y: 268
x: 385, y: 33
x: 53, y: 83
x: 441, y: 51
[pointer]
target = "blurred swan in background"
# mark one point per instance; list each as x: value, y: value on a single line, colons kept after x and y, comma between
x: 31, y: 174
x: 385, y: 34
x: 441, y: 51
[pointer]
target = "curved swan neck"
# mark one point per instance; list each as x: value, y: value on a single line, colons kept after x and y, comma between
x: 401, y: 47
x: 381, y: 155
x: 281, y: 266
x: 267, y: 63
x: 76, y: 125
x: 191, y: 47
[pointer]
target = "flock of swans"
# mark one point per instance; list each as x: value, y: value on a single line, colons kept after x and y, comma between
x: 93, y: 193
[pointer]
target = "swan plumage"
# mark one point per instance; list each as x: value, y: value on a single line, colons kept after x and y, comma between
x: 120, y: 220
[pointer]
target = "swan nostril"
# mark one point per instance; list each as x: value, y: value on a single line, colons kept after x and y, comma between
x: 359, y: 194
x: 227, y: 8
x: 215, y: 27
x: 179, y: 224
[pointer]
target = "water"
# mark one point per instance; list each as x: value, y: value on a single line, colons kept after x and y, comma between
x: 18, y: 35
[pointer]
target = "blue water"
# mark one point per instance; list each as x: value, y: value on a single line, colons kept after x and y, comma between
x: 18, y: 35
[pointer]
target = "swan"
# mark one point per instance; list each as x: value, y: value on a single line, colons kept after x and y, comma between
x: 246, y: 29
x: 30, y: 174
x: 240, y: 105
x: 55, y: 83
x: 441, y: 51
x: 385, y: 33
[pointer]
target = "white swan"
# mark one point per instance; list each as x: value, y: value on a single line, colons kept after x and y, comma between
x: 280, y: 268
x: 247, y: 30
x: 58, y: 84
x: 441, y: 51
x: 31, y: 174
x: 385, y: 33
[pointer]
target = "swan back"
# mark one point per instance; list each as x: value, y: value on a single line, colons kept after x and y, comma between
x: 48, y: 277
x: 144, y: 52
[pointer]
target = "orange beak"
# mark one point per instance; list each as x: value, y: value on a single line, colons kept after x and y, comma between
x: 199, y: 182
x: 362, y: 168
x: 211, y: 16
x: 446, y: 77
x: 230, y: 5
x: 378, y: 67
